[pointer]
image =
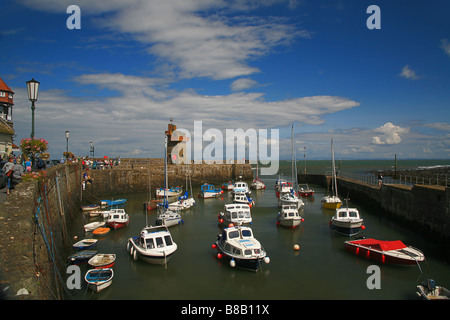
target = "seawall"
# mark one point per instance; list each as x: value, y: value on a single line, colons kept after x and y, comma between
x: 34, y: 220
x: 135, y: 175
x: 423, y: 206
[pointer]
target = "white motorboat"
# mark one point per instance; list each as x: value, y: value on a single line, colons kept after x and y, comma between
x: 117, y: 218
x: 236, y: 214
x: 347, y: 221
x: 241, y: 186
x: 290, y: 198
x: 289, y: 216
x: 242, y: 197
x: 154, y: 245
x: 238, y: 245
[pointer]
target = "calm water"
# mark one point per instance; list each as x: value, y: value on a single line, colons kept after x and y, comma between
x: 321, y: 269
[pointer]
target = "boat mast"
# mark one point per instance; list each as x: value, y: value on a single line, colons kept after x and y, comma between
x: 292, y: 148
x: 334, y: 183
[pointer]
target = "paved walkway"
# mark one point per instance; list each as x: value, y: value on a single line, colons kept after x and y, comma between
x: 3, y: 195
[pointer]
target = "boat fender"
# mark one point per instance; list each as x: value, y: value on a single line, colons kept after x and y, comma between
x: 128, y: 246
x: 219, y: 256
x: 368, y: 254
x: 221, y: 220
x: 357, y: 251
x: 267, y: 260
x: 214, y: 246
x: 131, y: 250
x: 232, y: 263
x: 135, y: 256
x: 383, y: 258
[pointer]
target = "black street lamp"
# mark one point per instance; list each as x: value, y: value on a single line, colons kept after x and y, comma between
x: 32, y: 89
x: 67, y: 142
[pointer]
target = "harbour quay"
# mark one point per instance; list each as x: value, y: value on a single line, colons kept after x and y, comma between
x: 36, y: 217
x: 422, y: 206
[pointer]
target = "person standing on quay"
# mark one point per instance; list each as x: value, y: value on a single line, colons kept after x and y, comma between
x: 8, y: 169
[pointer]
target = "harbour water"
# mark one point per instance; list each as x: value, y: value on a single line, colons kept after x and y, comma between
x: 321, y: 270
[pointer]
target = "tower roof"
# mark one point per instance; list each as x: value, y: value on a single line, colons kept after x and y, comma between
x: 4, y: 86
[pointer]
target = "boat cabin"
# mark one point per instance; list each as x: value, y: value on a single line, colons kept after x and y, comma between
x: 347, y: 213
x: 241, y: 186
x: 239, y: 241
x: 154, y: 237
x: 117, y: 214
x: 237, y: 212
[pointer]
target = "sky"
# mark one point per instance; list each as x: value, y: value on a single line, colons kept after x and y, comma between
x: 238, y: 64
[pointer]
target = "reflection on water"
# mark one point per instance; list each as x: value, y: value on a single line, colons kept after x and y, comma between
x: 321, y: 269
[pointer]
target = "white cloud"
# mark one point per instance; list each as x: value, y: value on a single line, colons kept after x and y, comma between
x: 408, y: 73
x: 196, y: 38
x: 242, y: 84
x: 389, y: 134
x: 445, y: 45
x: 140, y: 109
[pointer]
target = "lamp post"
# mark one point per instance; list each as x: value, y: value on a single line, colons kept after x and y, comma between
x: 91, y: 150
x: 67, y: 142
x: 32, y: 89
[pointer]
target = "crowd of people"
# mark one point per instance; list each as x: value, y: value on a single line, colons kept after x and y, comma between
x: 15, y: 167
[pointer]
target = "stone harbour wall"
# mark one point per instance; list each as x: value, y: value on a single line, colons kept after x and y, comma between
x: 34, y: 220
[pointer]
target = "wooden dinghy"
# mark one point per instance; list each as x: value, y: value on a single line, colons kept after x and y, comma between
x: 85, y: 244
x: 102, y: 260
x: 99, y: 279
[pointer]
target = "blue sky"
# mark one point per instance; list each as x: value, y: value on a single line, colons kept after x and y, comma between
x: 263, y: 64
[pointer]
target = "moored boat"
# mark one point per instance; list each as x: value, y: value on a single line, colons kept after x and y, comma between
x: 289, y: 216
x: 332, y: 201
x: 347, y: 221
x: 85, y: 244
x: 102, y: 260
x: 241, y: 186
x: 99, y: 279
x: 90, y: 207
x: 242, y: 197
x: 168, y: 218
x: 101, y: 231
x: 236, y: 214
x: 169, y: 192
x: 431, y: 291
x: 113, y: 202
x: 390, y: 252
x: 238, y: 245
x: 82, y: 256
x: 93, y: 225
x: 209, y: 191
x: 117, y: 218
x: 290, y: 198
x: 305, y: 191
x: 228, y: 186
x: 154, y: 245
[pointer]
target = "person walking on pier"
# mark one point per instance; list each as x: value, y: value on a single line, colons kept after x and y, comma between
x: 380, y: 179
